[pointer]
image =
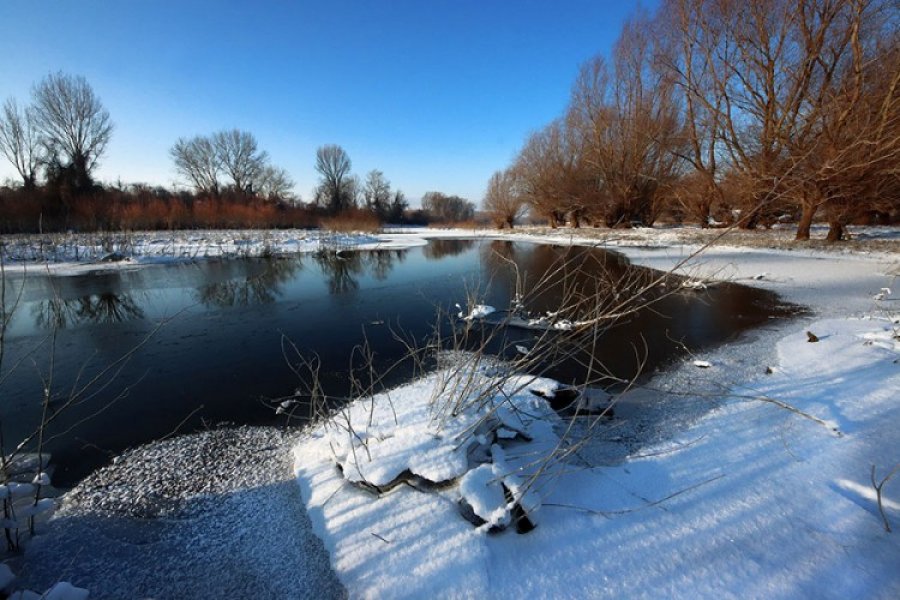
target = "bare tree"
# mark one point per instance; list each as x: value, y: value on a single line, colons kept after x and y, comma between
x: 503, y: 199
x: 198, y: 161
x: 846, y: 145
x: 692, y: 59
x: 73, y: 125
x: 795, y: 81
x: 377, y: 194
x: 19, y: 141
x: 631, y: 121
x: 235, y: 154
x: 240, y: 158
x: 274, y: 183
x: 333, y: 165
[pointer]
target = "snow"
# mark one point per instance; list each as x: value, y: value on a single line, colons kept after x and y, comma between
x: 482, y: 490
x: 19, y: 490
x: 209, y: 515
x: 755, y: 484
x: 76, y: 254
x: 66, y: 591
x: 25, y: 595
x: 479, y: 311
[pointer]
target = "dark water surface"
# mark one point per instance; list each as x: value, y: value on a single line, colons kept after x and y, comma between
x: 221, y: 345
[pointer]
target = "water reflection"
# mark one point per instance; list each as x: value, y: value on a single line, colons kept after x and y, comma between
x: 381, y: 262
x: 262, y: 287
x: 342, y: 268
x: 566, y: 280
x: 595, y: 318
x: 438, y: 249
x: 105, y: 308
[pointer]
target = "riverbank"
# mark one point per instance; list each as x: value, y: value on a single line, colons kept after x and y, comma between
x: 76, y: 253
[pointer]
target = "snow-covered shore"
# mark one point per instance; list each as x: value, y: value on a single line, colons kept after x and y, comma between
x: 74, y: 254
x: 704, y: 489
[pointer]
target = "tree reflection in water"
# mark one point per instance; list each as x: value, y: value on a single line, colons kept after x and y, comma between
x: 565, y: 279
x: 106, y: 308
x: 438, y: 249
x: 342, y: 268
x: 259, y: 288
x: 381, y: 262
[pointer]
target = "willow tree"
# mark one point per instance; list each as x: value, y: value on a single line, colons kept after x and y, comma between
x: 503, y: 198
x: 630, y: 115
x: 73, y: 125
x: 553, y: 175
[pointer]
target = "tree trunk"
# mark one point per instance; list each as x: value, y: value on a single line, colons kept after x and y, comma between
x: 749, y: 221
x: 806, y: 219
x: 835, y: 231
x: 703, y: 208
x: 576, y: 219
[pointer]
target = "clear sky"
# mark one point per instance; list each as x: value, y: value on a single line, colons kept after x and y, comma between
x: 437, y: 94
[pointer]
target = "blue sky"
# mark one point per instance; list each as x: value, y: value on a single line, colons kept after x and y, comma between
x: 436, y: 94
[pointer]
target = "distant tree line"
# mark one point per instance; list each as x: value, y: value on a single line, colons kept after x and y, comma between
x: 56, y: 142
x: 725, y: 111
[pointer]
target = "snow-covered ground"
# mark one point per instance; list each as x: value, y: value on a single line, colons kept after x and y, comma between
x: 748, y: 477
x: 754, y: 481
x: 72, y: 254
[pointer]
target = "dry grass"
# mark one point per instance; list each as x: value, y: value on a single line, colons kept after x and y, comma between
x: 470, y: 224
x: 350, y: 221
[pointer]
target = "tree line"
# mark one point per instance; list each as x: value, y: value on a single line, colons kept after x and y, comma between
x: 722, y: 112
x: 55, y: 144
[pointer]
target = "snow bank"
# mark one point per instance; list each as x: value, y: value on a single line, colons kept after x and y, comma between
x: 448, y: 458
